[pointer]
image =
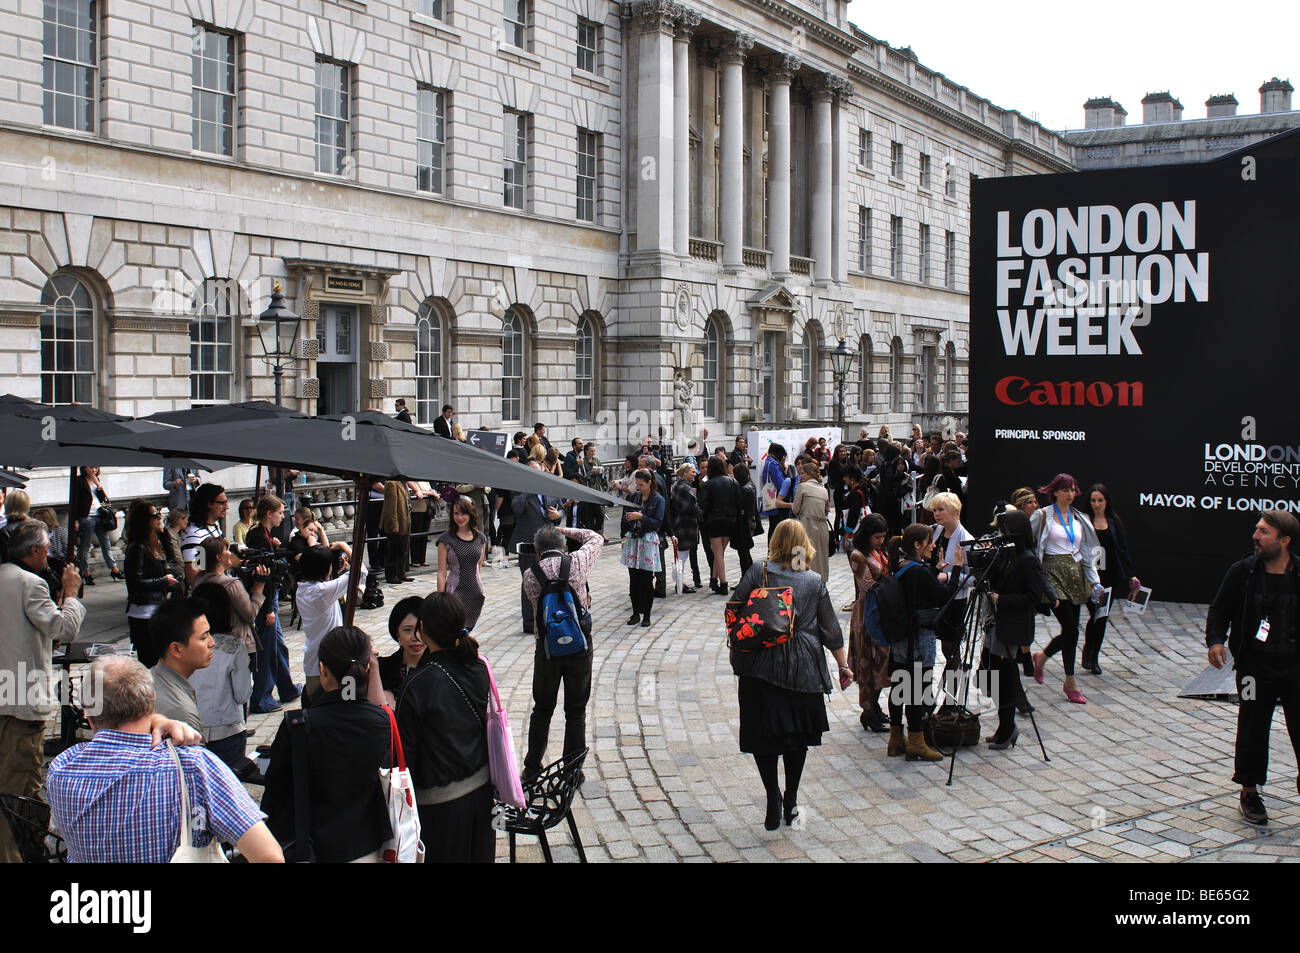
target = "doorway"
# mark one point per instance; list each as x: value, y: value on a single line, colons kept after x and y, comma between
x: 336, y: 367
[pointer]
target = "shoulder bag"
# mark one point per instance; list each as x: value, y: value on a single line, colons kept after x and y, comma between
x: 501, y: 749
x: 186, y: 852
x: 765, y: 620
x: 405, y: 846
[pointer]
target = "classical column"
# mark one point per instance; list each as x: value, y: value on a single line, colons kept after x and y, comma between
x: 654, y: 125
x: 822, y: 186
x: 686, y: 24
x: 840, y: 189
x: 733, y: 151
x: 780, y: 70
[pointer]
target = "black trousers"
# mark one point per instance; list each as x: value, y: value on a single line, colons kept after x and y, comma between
x: 526, y: 562
x: 420, y: 543
x: 1008, y: 692
x: 395, y: 557
x: 661, y: 577
x: 145, y: 652
x: 1067, y: 613
x: 641, y: 588
x: 1095, y: 632
x: 1262, y: 689
x: 374, y: 550
x: 574, y: 672
x: 695, y: 564
x: 906, y: 694
x: 746, y: 560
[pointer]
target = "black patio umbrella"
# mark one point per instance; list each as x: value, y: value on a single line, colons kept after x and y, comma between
x: 220, y: 413
x: 363, y: 447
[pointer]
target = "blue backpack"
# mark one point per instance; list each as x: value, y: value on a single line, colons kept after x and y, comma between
x: 884, y: 610
x: 563, y: 625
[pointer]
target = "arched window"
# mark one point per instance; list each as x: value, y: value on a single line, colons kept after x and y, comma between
x: 212, y: 349
x: 584, y: 372
x: 709, y: 373
x: 950, y: 377
x: 864, y: 373
x: 896, y: 376
x: 428, y: 364
x: 512, y: 366
x: 67, y: 342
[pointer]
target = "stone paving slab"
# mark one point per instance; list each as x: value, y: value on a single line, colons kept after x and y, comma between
x: 1136, y: 775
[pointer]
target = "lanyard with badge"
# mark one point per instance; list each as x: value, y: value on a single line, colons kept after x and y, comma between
x: 1069, y: 531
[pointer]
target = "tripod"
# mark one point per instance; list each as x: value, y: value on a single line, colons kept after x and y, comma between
x: 976, y: 621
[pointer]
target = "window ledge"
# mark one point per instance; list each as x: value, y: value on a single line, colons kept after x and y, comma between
x: 436, y: 27
x: 923, y: 190
x: 590, y: 79
x: 897, y: 183
x: 519, y: 56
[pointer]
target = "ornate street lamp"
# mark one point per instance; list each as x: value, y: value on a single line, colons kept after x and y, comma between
x: 277, y: 326
x: 841, y: 364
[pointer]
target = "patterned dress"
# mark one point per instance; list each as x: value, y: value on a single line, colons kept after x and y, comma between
x: 463, y: 578
x: 869, y: 661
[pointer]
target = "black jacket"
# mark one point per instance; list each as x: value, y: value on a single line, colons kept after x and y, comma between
x: 719, y: 500
x: 742, y: 537
x: 146, y: 577
x: 1021, y: 588
x: 1238, y: 606
x: 441, y: 427
x: 390, y: 672
x: 347, y: 744
x: 653, y: 514
x: 1122, y: 572
x: 686, y: 515
x: 923, y: 590
x: 442, y: 717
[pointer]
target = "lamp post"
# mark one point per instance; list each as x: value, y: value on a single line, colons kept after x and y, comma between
x: 841, y: 364
x: 277, y: 326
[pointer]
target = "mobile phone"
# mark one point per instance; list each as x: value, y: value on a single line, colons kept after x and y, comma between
x: 845, y: 681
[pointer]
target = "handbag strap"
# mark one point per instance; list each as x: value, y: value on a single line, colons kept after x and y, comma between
x: 396, y: 756
x: 297, y: 722
x: 492, y: 684
x: 469, y: 703
x: 187, y: 837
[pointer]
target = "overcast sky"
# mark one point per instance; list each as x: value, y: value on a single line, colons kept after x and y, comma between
x: 1049, y: 57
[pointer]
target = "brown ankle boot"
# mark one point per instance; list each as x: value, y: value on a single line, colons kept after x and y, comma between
x: 918, y: 750
x: 896, y: 744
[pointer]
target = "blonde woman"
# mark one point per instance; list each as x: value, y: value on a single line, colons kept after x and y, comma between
x: 395, y: 524
x: 538, y: 454
x: 781, y: 689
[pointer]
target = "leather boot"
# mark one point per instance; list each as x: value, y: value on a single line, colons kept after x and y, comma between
x: 896, y: 744
x: 918, y: 750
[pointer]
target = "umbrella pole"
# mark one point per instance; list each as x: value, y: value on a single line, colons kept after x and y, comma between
x: 257, y: 484
x: 73, y: 535
x: 358, y: 549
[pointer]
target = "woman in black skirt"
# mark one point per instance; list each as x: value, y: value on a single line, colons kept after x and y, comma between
x: 782, y: 712
x: 719, y: 509
x: 1115, y: 571
x: 442, y: 718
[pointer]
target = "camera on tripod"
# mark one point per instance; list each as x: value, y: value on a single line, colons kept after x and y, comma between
x: 278, y: 567
x: 983, y: 551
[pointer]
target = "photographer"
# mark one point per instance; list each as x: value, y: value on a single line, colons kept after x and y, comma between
x: 272, y: 657
x: 148, y: 580
x: 1018, y: 587
x: 245, y: 595
x: 323, y: 581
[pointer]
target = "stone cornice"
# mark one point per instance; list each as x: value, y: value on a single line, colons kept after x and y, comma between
x: 951, y: 116
x: 18, y: 316
x: 812, y: 25
x: 656, y: 16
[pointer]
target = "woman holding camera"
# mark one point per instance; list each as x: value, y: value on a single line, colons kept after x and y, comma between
x: 923, y: 589
x: 1066, y: 545
x: 148, y: 580
x: 273, y: 656
x: 1018, y: 590
x: 640, y: 530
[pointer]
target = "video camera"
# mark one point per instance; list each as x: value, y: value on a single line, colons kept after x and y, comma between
x: 279, y: 568
x: 983, y: 551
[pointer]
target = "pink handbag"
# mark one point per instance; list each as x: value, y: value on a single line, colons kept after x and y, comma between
x: 501, y: 749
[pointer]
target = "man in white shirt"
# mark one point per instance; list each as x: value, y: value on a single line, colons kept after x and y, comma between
x: 318, y: 605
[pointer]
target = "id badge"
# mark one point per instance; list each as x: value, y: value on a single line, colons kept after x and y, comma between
x: 1262, y: 634
x: 1078, y: 557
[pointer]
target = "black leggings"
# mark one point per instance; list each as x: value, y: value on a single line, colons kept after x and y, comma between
x: 1067, y: 613
x: 903, y: 690
x: 794, y: 762
x: 695, y: 562
x: 641, y: 587
x: 1008, y: 692
x: 746, y: 560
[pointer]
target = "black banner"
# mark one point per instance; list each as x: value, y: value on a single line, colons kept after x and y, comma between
x: 1137, y: 328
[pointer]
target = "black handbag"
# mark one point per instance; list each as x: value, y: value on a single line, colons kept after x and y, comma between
x: 105, y: 517
x: 951, y: 728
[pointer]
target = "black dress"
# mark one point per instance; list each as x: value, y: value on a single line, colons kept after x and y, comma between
x: 774, y: 720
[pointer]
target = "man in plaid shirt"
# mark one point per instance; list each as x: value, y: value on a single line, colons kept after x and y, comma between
x: 116, y: 798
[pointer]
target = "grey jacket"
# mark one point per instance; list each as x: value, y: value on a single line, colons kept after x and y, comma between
x: 800, y: 663
x: 30, y: 623
x: 1089, y: 548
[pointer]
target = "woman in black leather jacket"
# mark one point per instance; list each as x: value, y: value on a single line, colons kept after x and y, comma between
x: 442, y: 718
x: 719, y: 509
x: 148, y: 580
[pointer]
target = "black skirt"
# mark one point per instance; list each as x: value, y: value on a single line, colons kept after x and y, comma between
x: 774, y: 720
x: 459, y: 831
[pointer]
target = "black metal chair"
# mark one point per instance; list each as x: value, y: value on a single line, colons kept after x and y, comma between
x: 29, y: 820
x: 548, y: 800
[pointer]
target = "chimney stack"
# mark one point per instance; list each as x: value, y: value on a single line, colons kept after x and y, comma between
x: 1103, y: 113
x: 1217, y: 106
x: 1161, y: 107
x: 1275, y: 96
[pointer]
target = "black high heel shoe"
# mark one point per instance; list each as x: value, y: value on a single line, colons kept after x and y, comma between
x: 791, y: 810
x: 772, y: 821
x: 1008, y: 742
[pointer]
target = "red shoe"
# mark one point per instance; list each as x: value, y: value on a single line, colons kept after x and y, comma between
x: 1075, y: 696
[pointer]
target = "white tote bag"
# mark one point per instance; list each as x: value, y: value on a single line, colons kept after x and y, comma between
x: 405, y: 847
x: 186, y: 852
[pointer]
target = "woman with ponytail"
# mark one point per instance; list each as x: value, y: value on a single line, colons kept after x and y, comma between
x: 348, y: 741
x: 442, y: 717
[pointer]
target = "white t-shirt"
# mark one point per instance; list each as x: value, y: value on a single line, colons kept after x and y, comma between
x: 960, y: 535
x: 193, y: 539
x: 1058, y: 538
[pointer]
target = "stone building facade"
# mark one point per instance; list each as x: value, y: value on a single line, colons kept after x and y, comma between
x: 540, y: 214
x: 1164, y: 137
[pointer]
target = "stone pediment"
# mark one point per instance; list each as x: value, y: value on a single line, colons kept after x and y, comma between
x: 774, y: 297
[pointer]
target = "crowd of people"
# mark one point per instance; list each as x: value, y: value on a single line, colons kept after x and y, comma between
x: 204, y: 601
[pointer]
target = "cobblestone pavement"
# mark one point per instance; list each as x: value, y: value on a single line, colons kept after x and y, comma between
x: 1136, y: 774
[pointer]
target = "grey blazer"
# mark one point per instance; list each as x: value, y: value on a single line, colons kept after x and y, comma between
x: 800, y: 663
x: 1089, y: 548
